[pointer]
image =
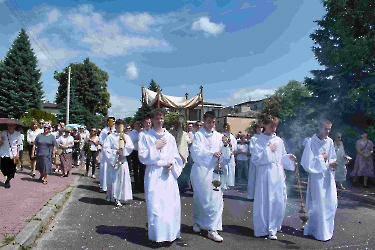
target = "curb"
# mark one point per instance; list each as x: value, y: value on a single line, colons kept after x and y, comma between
x: 34, y: 228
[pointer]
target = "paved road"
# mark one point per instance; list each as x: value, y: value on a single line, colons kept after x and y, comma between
x: 88, y: 222
x: 26, y: 197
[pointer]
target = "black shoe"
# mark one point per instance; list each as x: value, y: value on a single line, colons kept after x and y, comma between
x: 366, y: 186
x: 7, y: 185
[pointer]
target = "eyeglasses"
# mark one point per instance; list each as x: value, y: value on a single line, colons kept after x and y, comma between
x: 199, y: 125
x: 128, y: 128
x: 47, y: 128
x: 93, y: 130
x: 41, y: 123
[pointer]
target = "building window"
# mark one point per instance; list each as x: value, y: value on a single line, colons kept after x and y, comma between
x: 199, y: 114
x: 216, y: 112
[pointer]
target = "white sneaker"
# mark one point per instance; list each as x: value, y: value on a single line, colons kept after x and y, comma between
x: 196, y: 228
x: 272, y: 237
x: 118, y: 204
x: 215, y: 236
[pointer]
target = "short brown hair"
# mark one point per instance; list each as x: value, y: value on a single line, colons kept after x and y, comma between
x: 271, y: 119
x: 325, y: 121
x: 209, y: 114
x: 157, y: 111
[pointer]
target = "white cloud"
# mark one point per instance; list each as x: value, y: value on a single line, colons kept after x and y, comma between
x: 45, y: 61
x: 119, y: 44
x: 210, y: 28
x: 35, y: 30
x: 131, y: 71
x: 123, y: 106
x: 53, y: 16
x: 138, y: 22
x: 244, y: 95
x: 106, y: 38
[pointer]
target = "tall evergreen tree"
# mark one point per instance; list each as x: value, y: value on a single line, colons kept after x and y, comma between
x: 20, y: 88
x: 145, y: 110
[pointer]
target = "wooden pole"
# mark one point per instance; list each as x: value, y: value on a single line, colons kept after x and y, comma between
x: 201, y: 88
x: 186, y: 112
x: 158, y: 96
x: 143, y: 97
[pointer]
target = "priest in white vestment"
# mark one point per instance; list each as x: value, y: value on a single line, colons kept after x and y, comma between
x: 103, y: 164
x: 119, y: 185
x: 252, y: 169
x: 229, y: 165
x: 270, y: 197
x: 319, y: 160
x: 157, y: 149
x: 207, y: 147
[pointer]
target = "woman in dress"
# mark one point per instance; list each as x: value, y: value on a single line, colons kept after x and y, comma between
x: 44, y: 145
x: 66, y: 143
x: 32, y: 133
x: 363, y: 165
x: 340, y: 171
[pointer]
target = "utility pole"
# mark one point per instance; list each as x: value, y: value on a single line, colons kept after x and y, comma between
x: 68, y: 98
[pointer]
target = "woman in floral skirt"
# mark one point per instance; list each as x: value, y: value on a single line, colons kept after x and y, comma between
x: 363, y: 165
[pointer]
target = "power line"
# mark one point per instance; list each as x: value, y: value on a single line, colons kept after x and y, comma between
x: 29, y: 26
x: 7, y: 2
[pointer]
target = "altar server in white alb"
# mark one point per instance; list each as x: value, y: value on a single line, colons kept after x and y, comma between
x: 103, y: 164
x: 116, y: 147
x: 270, y: 199
x: 252, y: 171
x: 319, y: 159
x: 229, y: 165
x: 207, y: 148
x: 157, y: 149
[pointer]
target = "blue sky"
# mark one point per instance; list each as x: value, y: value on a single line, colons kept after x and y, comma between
x: 237, y: 50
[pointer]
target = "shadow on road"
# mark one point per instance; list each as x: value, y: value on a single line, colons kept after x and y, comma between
x: 238, y: 230
x: 96, y: 201
x: 135, y: 235
x: 31, y: 179
x: 237, y: 198
x: 90, y: 188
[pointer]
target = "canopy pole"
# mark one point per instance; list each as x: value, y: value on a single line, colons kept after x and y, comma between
x: 158, y: 96
x: 143, y: 95
x: 201, y: 88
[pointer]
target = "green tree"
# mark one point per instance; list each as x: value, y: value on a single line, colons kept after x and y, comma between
x: 344, y: 45
x: 171, y: 118
x: 145, y: 110
x: 129, y: 120
x: 20, y: 88
x: 90, y: 85
x: 77, y: 113
x: 37, y: 114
